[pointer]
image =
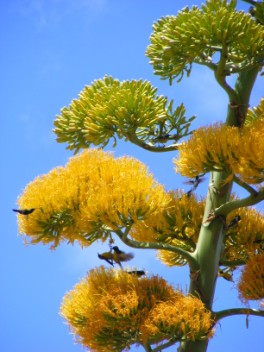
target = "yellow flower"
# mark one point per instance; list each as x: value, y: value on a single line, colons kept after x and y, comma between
x: 179, y: 224
x: 247, y: 237
x: 251, y: 284
x: 184, y: 219
x: 213, y: 148
x: 184, y: 317
x: 91, y: 196
x: 54, y: 201
x: 236, y: 151
x: 107, y: 309
x: 250, y: 167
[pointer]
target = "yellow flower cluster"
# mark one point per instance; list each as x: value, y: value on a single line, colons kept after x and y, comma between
x: 182, y: 218
x: 209, y: 149
x: 184, y: 317
x: 223, y: 148
x: 247, y: 237
x: 251, y: 284
x: 92, y: 195
x: 178, y: 225
x: 109, y: 310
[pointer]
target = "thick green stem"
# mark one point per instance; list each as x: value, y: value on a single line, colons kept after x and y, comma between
x: 211, y: 238
x: 239, y: 103
x: 208, y: 253
x: 193, y: 346
x: 209, y: 246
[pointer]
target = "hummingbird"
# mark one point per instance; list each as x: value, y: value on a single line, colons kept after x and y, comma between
x: 25, y: 211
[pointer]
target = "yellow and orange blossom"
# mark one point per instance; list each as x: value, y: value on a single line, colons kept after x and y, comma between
x: 110, y: 310
x: 236, y: 151
x: 92, y: 195
x: 251, y: 284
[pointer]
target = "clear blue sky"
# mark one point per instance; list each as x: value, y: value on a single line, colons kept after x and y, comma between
x: 50, y: 49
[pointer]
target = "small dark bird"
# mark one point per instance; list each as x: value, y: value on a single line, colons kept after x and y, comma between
x: 137, y: 273
x: 120, y: 256
x: 107, y: 256
x: 226, y: 274
x: 115, y: 256
x: 25, y: 211
x: 233, y: 222
x: 195, y: 183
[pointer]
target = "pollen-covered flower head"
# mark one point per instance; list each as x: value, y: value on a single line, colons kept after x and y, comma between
x: 89, y: 197
x: 110, y: 310
x: 212, y: 148
x: 251, y: 284
x: 184, y: 317
x: 236, y: 151
x: 179, y: 224
x: 107, y: 308
x: 246, y: 237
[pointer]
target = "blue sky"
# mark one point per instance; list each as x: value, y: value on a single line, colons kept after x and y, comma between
x: 50, y: 50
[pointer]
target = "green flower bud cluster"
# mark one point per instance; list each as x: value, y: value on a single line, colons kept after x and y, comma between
x: 206, y: 36
x: 109, y: 108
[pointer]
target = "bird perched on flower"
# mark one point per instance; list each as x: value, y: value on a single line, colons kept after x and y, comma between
x: 233, y: 222
x: 137, y: 273
x: 115, y: 255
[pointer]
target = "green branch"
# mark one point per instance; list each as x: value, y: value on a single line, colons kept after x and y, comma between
x: 207, y: 63
x: 237, y: 311
x: 226, y: 208
x: 149, y: 146
x: 220, y: 75
x: 161, y: 246
x: 246, y: 186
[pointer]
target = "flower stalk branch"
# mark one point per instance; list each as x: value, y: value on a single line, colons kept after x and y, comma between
x: 227, y: 207
x: 245, y: 185
x: 237, y: 311
x: 162, y: 246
